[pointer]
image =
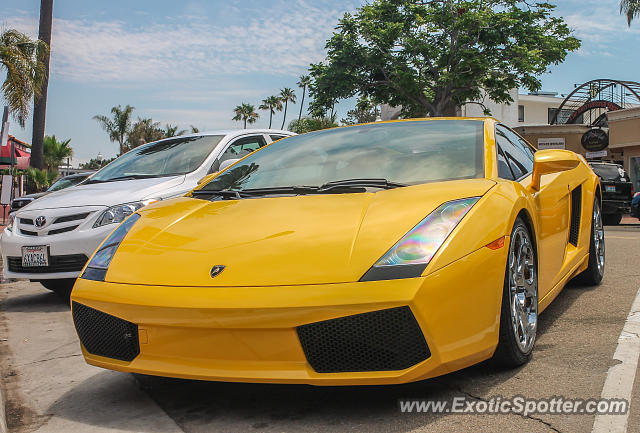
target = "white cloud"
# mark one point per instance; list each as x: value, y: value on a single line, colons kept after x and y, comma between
x: 190, y: 47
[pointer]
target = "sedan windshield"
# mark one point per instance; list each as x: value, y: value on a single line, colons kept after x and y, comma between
x: 171, y: 157
x: 377, y: 155
x: 66, y: 182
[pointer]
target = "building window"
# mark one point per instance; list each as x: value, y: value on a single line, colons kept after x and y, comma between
x: 563, y: 116
x: 520, y: 113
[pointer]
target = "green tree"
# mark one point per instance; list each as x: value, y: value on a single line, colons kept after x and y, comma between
x: 286, y: 95
x: 273, y: 104
x: 40, y: 99
x: 118, y: 126
x: 245, y: 113
x: 95, y: 163
x: 308, y: 124
x: 365, y: 112
x: 55, y: 152
x: 304, y: 82
x: 143, y: 131
x: 431, y: 56
x: 194, y: 130
x: 24, y: 72
x: 172, y: 131
x: 630, y: 8
x: 41, y: 179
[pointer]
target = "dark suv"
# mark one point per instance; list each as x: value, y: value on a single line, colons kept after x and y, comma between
x: 617, y: 191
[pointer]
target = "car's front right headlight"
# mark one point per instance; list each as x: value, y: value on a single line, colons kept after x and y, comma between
x: 118, y: 213
x: 97, y: 267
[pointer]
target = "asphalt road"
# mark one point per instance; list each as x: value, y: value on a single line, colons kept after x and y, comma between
x: 49, y: 388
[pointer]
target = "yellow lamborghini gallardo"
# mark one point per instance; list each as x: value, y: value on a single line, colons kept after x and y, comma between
x: 371, y: 254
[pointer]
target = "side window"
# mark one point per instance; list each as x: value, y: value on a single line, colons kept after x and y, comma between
x: 519, y: 159
x: 504, y: 172
x: 239, y: 149
x: 520, y: 143
x: 276, y: 137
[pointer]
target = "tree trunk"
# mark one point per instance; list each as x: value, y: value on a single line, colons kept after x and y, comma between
x: 284, y: 119
x: 304, y: 90
x: 270, y: 118
x: 40, y: 104
x: 245, y: 123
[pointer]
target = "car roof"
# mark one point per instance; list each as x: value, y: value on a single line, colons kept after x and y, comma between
x: 235, y: 132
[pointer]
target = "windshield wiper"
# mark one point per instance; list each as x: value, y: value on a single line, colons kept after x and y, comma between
x: 224, y: 193
x: 360, y: 183
x: 126, y: 177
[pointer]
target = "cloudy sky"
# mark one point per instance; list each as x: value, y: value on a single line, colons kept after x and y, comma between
x: 191, y: 62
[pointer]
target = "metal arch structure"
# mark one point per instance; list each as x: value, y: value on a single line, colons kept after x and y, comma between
x: 593, y: 99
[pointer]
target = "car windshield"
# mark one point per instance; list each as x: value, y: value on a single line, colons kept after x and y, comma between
x: 609, y: 171
x: 66, y: 182
x: 408, y: 152
x: 171, y: 157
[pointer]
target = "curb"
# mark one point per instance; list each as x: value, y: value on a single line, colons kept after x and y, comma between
x: 3, y: 420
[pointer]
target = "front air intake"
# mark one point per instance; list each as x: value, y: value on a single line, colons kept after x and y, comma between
x: 105, y: 335
x: 377, y: 341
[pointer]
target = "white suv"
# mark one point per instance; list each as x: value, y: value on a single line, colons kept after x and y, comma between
x: 51, y: 239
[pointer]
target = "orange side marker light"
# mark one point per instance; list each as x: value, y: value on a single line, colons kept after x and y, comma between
x: 497, y: 244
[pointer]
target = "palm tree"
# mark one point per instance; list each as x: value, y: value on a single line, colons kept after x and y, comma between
x: 273, y: 104
x: 172, y: 131
x: 25, y: 72
x: 305, y: 80
x: 194, y: 130
x: 246, y: 113
x: 55, y: 152
x: 630, y: 8
x: 286, y: 95
x: 40, y: 100
x: 119, y: 126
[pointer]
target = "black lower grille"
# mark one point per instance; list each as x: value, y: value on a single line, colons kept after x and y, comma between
x: 66, y: 263
x: 105, y: 335
x: 576, y: 210
x: 377, y: 341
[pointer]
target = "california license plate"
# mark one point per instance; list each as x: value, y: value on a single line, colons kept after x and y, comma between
x: 609, y: 188
x: 35, y: 256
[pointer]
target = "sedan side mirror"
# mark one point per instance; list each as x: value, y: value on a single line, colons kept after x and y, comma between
x: 552, y: 161
x: 227, y: 162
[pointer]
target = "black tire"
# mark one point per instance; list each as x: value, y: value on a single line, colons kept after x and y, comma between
x: 612, y: 219
x: 592, y: 276
x: 61, y: 287
x: 509, y: 353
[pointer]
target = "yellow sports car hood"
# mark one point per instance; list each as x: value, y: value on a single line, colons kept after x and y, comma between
x: 308, y: 239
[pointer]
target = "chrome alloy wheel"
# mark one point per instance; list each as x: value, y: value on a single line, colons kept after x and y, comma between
x: 598, y: 237
x: 523, y: 289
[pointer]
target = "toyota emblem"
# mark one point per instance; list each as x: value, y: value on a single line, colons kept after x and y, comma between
x: 40, y: 221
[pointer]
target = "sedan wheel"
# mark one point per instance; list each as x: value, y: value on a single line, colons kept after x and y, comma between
x: 519, y: 316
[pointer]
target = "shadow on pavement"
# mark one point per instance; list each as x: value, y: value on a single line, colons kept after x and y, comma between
x: 44, y: 301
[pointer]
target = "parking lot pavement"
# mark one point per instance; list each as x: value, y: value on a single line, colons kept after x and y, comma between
x: 49, y: 385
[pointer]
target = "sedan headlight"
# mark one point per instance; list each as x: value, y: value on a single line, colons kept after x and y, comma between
x: 118, y: 213
x: 410, y: 255
x: 97, y: 267
x: 12, y: 220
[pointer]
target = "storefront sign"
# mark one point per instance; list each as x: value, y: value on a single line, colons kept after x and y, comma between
x: 551, y: 143
x: 599, y: 154
x: 595, y: 140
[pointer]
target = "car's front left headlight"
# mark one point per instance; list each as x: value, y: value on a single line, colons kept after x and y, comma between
x: 97, y: 267
x: 409, y: 257
x: 11, y: 222
x: 118, y: 213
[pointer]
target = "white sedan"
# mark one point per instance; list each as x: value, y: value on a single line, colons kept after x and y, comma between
x: 51, y: 239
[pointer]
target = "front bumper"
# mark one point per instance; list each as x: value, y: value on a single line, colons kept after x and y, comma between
x: 64, y: 245
x: 251, y: 334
